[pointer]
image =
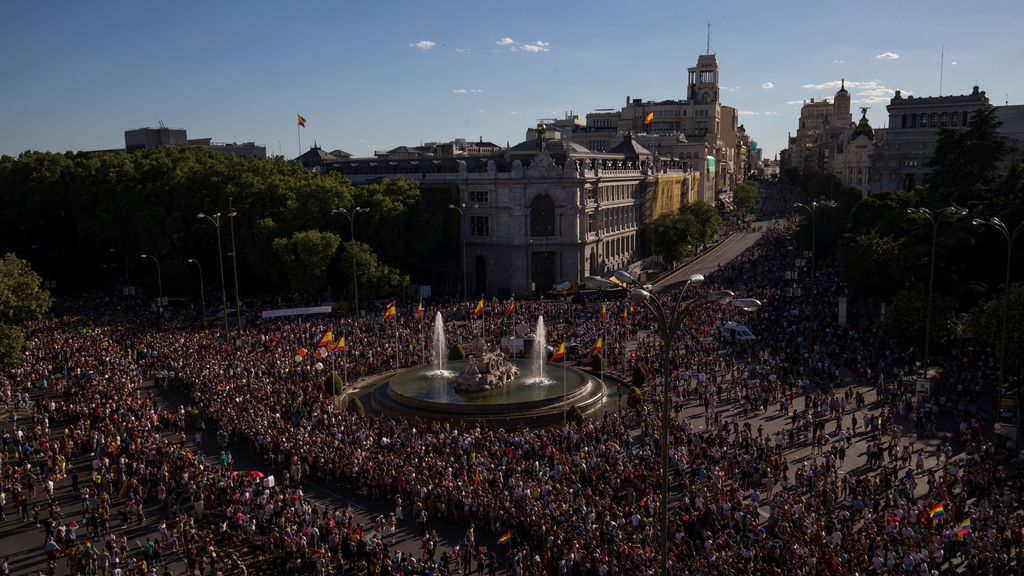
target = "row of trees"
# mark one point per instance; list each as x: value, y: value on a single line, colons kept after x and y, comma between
x: 83, y: 219
x: 21, y: 299
x: 884, y: 252
x: 677, y: 235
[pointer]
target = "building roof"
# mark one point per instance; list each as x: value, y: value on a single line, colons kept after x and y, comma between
x: 630, y: 148
x: 339, y: 153
x: 315, y: 156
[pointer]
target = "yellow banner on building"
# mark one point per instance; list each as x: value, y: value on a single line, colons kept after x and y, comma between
x: 694, y: 187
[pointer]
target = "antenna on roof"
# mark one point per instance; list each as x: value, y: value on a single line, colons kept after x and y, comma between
x: 708, y: 51
x: 942, y: 65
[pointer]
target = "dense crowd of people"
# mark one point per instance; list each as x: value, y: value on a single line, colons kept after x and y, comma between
x: 759, y: 438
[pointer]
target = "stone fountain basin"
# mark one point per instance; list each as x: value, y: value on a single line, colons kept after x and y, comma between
x: 417, y: 389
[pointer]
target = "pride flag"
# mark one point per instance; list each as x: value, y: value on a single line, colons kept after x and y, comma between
x: 505, y: 538
x: 937, y: 512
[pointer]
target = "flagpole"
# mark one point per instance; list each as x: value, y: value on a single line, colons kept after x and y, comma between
x: 298, y: 133
x: 565, y: 396
x: 344, y: 363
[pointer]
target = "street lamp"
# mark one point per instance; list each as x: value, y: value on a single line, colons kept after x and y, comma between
x: 668, y: 324
x: 813, y: 211
x: 1010, y: 238
x: 462, y: 216
x: 220, y: 258
x: 202, y: 288
x: 234, y: 265
x: 159, y: 293
x: 352, y: 229
x: 934, y: 218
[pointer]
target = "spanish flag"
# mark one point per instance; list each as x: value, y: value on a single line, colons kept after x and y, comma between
x: 302, y: 120
x: 338, y: 346
x: 511, y: 307
x: 599, y: 345
x: 604, y: 312
x: 326, y: 340
x: 560, y: 354
x: 649, y: 118
x: 479, y: 308
x: 390, y: 311
x: 419, y: 311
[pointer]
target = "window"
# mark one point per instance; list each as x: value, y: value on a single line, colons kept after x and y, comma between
x: 934, y: 119
x: 478, y: 196
x: 954, y: 119
x: 924, y: 120
x: 479, y: 226
x: 944, y: 119
x: 963, y: 118
x: 903, y: 124
x: 913, y: 120
x: 542, y: 216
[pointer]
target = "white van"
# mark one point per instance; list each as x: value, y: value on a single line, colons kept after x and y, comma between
x: 734, y: 332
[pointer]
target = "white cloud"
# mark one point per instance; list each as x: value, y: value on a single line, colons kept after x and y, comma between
x: 469, y: 91
x: 794, y: 102
x: 768, y: 85
x: 887, y: 56
x: 770, y: 113
x: 505, y: 41
x: 538, y: 46
x: 865, y: 92
x: 476, y: 90
x: 459, y: 91
x: 464, y: 51
x: 953, y: 63
x: 838, y: 61
x: 425, y: 44
x: 753, y: 113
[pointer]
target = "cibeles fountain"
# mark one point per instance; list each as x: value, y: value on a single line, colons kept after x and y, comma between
x: 489, y: 387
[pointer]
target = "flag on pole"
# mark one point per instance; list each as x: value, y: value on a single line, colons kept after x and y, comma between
x: 302, y: 120
x: 479, y: 308
x: 560, y: 354
x: 390, y: 311
x: 419, y: 311
x: 511, y: 307
x: 937, y: 512
x: 604, y: 312
x: 326, y: 340
x: 598, y: 346
x: 476, y: 475
x: 964, y: 528
x: 649, y: 118
x: 338, y: 346
x: 625, y: 312
x: 505, y: 538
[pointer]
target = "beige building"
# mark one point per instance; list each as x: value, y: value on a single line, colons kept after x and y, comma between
x: 547, y: 210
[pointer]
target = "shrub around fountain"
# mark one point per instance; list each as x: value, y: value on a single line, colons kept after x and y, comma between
x: 639, y: 376
x: 456, y: 352
x: 636, y: 398
x: 597, y: 362
x: 574, y: 415
x: 334, y: 384
x: 355, y: 406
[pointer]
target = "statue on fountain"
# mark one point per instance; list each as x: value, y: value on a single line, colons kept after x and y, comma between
x: 486, y: 368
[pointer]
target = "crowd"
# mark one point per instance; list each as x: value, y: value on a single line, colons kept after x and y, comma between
x: 574, y: 500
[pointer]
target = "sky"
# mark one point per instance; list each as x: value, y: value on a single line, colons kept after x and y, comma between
x: 372, y: 75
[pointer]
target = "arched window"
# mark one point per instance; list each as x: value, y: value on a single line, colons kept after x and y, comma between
x: 542, y: 216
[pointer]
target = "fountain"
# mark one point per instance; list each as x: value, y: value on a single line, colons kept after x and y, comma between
x: 539, y: 355
x: 488, y: 388
x: 439, y: 350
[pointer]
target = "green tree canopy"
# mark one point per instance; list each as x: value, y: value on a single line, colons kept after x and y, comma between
x: 904, y: 319
x: 305, y: 256
x: 22, y: 299
x: 745, y: 196
x: 376, y: 279
x: 870, y: 265
x: 985, y: 323
x: 967, y: 164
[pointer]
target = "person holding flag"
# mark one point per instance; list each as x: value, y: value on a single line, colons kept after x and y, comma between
x: 598, y: 346
x: 604, y: 312
x: 479, y: 308
x: 419, y: 311
x: 511, y: 308
x: 390, y: 311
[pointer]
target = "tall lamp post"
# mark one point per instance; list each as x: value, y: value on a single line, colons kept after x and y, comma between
x: 812, y: 210
x: 220, y: 258
x: 234, y: 264
x: 352, y: 230
x: 1010, y: 238
x: 202, y: 289
x: 934, y: 218
x: 159, y: 293
x: 668, y: 323
x: 462, y: 216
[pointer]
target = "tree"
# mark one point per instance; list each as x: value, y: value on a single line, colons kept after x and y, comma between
x: 985, y: 323
x: 745, y: 196
x: 639, y: 376
x: 574, y: 415
x: 305, y: 257
x: 707, y: 220
x: 672, y: 236
x: 376, y: 279
x: 905, y: 318
x: 870, y: 265
x: 967, y: 164
x: 334, y: 384
x: 22, y: 299
x: 355, y: 406
x: 596, y: 362
x: 456, y: 352
x: 635, y: 399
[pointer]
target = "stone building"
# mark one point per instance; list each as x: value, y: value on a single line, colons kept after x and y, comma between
x: 547, y: 210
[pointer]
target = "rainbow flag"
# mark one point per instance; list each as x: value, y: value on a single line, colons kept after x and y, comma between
x: 505, y: 538
x: 604, y: 312
x: 964, y: 528
x: 937, y: 512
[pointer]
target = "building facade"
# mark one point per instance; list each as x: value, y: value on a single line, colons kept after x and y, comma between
x: 547, y: 210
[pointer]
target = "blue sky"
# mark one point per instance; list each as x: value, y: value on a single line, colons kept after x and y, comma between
x: 374, y: 75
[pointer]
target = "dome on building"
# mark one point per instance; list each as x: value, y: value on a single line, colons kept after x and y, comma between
x: 863, y: 127
x: 842, y: 89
